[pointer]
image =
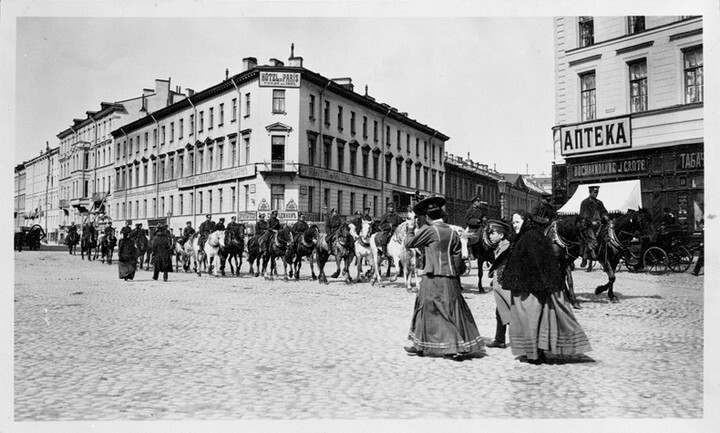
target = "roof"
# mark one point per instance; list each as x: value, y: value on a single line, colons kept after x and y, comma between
x: 616, y: 196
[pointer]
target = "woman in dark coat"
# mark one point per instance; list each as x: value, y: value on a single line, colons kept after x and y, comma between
x: 442, y: 323
x: 162, y: 247
x: 542, y: 319
x: 127, y: 256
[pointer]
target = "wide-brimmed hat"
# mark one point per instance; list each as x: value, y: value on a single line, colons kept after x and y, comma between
x: 498, y: 225
x: 428, y: 205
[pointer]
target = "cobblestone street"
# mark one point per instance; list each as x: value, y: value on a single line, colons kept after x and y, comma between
x: 91, y: 347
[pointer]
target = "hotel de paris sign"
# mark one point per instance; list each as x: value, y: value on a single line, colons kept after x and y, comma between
x: 591, y: 137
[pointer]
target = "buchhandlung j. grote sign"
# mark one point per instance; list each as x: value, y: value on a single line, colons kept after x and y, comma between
x: 594, y: 137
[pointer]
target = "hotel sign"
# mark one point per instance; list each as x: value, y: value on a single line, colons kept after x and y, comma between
x: 595, y: 136
x: 217, y: 176
x: 279, y: 79
x: 337, y: 176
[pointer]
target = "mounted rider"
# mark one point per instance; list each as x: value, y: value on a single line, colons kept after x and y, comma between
x: 233, y: 226
x: 544, y: 212
x: 333, y: 222
x: 273, y: 225
x: 592, y: 214
x: 261, y: 225
x: 72, y: 229
x: 388, y: 223
x: 300, y: 226
x: 187, y: 232
x: 109, y: 229
x: 207, y: 227
x: 220, y: 225
x: 89, y: 230
x: 365, y: 216
x: 474, y: 220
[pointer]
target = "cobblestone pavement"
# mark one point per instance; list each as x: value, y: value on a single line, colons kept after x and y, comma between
x: 89, y: 346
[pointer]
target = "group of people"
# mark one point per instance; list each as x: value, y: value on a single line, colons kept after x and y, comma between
x: 526, y: 279
x: 161, y: 246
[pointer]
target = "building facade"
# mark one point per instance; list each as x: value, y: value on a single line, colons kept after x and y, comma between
x: 36, y: 193
x: 518, y: 192
x: 20, y: 181
x: 273, y: 137
x: 466, y: 179
x: 629, y: 105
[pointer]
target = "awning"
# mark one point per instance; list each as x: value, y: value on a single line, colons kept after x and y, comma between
x: 616, y: 196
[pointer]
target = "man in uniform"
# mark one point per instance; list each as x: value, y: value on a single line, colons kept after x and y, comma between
x: 273, y: 225
x: 233, y: 225
x: 220, y: 225
x: 388, y: 223
x: 72, y: 229
x: 261, y: 225
x: 109, y: 229
x: 187, y: 232
x: 127, y: 230
x: 137, y: 232
x: 207, y: 227
x: 592, y: 213
x: 357, y: 221
x: 332, y: 224
x: 544, y: 212
x: 474, y: 220
x: 300, y: 226
x: 668, y: 217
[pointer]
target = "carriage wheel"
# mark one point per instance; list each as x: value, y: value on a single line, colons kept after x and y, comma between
x: 655, y: 260
x: 680, y: 259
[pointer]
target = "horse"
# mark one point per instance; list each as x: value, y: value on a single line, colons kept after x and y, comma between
x: 342, y: 249
x: 180, y: 255
x: 194, y: 254
x: 233, y: 251
x: 304, y: 246
x: 72, y: 239
x: 616, y: 237
x: 404, y: 258
x: 214, y: 243
x: 481, y: 249
x: 142, y: 245
x: 34, y: 236
x: 254, y: 256
x: 363, y: 251
x: 107, y: 247
x: 277, y: 246
x: 87, y: 244
x: 567, y: 242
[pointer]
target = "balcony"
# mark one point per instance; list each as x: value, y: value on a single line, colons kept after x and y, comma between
x: 278, y: 168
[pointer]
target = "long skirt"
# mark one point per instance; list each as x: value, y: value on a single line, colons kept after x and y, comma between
x: 545, y: 322
x: 127, y: 260
x: 503, y: 300
x: 442, y: 323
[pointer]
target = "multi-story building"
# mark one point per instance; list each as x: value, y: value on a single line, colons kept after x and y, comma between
x: 36, y: 193
x: 87, y: 154
x: 518, y: 193
x: 466, y: 179
x: 629, y: 105
x: 272, y: 137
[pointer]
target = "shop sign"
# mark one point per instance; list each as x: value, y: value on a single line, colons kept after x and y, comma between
x: 247, y: 215
x: 603, y: 168
x: 689, y: 160
x: 337, y: 176
x: 217, y: 176
x: 279, y: 79
x: 595, y: 136
x: 287, y: 216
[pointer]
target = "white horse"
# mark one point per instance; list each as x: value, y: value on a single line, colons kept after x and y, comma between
x: 213, y: 244
x: 363, y: 250
x: 195, y: 255
x: 402, y: 257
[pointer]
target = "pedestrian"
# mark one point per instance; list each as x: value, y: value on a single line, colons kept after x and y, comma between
x: 498, y: 232
x: 162, y: 247
x: 127, y: 256
x: 542, y: 321
x: 442, y: 323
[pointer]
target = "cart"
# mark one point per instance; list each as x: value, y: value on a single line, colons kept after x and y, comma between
x: 669, y: 250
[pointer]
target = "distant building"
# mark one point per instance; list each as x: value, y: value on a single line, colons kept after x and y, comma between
x: 518, y: 193
x: 36, y: 193
x: 630, y: 105
x: 466, y: 179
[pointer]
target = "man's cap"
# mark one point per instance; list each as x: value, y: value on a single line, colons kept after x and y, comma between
x: 357, y: 212
x: 476, y: 198
x: 262, y: 215
x: 222, y: 219
x: 429, y: 204
x: 208, y: 216
x: 391, y: 204
x: 138, y: 225
x: 593, y: 187
x: 300, y: 214
x: 128, y: 222
x: 499, y: 225
x: 233, y: 217
x: 189, y: 222
x: 367, y: 208
x: 333, y: 210
x: 273, y: 212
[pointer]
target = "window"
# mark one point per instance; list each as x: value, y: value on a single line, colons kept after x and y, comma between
x: 365, y: 127
x: 200, y: 202
x: 172, y: 205
x: 201, y: 123
x: 353, y: 160
x: 365, y: 164
x: 408, y: 174
x: 311, y: 198
x: 192, y: 124
x: 247, y: 150
x: 693, y: 64
x: 408, y: 144
x: 201, y: 161
x: 247, y: 197
x: 312, y: 150
x: 326, y: 114
x: 210, y: 200
x: 211, y: 158
x: 398, y: 171
x: 278, y: 101
x: 638, y: 86
x: 340, y: 202
x: 162, y: 135
x: 432, y: 152
x: 191, y: 163
x: 247, y: 104
x: 636, y: 24
x: 326, y: 198
x: 425, y: 177
x: 311, y: 108
x: 222, y: 115
x: 162, y: 205
x: 162, y: 169
x: 340, y: 118
x: 352, y: 122
x: 220, y: 200
x: 425, y: 148
x: 376, y: 165
x: 352, y: 203
x: 211, y: 119
x: 180, y: 128
x: 172, y: 131
x: 277, y: 197
x: 417, y: 146
x: 233, y: 152
x: 375, y: 130
x: 587, y: 31
x: 387, y: 136
x: 277, y: 152
x: 181, y: 165
x: 233, y: 197
x: 171, y: 168
x: 327, y: 153
x: 146, y: 140
x: 399, y: 146
x: 234, y: 109
x: 221, y: 156
x: 341, y: 157
x: 182, y: 204
x: 587, y: 98
x: 388, y: 161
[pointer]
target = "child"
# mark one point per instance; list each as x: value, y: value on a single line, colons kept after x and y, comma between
x: 497, y: 233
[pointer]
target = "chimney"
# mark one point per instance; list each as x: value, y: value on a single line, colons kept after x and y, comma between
x: 227, y: 73
x: 276, y: 62
x: 249, y: 63
x: 189, y: 91
x: 296, y: 62
x: 345, y: 83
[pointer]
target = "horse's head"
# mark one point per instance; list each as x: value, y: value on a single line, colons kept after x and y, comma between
x: 310, y: 236
x: 365, y: 230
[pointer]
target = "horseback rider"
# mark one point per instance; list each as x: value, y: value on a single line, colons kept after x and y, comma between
x: 89, y: 230
x: 300, y: 226
x: 220, y: 225
x: 474, y: 220
x: 207, y: 227
x: 138, y: 231
x: 72, y: 229
x: 357, y: 222
x: 273, y: 225
x: 187, y: 232
x: 109, y: 229
x: 261, y: 225
x: 388, y: 223
x: 332, y: 225
x: 592, y: 214
x: 233, y: 225
x: 544, y: 212
x: 127, y: 230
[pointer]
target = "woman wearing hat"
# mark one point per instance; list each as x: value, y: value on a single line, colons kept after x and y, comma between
x: 127, y: 254
x: 542, y: 320
x: 442, y: 324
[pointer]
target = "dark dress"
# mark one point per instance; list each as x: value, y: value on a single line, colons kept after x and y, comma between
x: 127, y: 259
x: 540, y: 316
x: 442, y: 322
x: 162, y: 248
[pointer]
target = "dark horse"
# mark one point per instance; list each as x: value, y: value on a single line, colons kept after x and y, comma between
x: 88, y: 242
x: 304, y: 246
x: 482, y: 250
x: 72, y: 239
x: 567, y: 242
x: 254, y: 257
x: 343, y: 250
x: 232, y: 252
x: 107, y: 247
x: 142, y: 245
x: 615, y: 239
x: 277, y: 246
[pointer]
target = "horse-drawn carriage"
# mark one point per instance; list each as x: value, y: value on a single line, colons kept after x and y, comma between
x: 29, y: 237
x: 667, y: 250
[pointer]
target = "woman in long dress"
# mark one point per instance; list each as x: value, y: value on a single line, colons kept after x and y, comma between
x: 442, y: 324
x: 127, y: 257
x: 541, y: 318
